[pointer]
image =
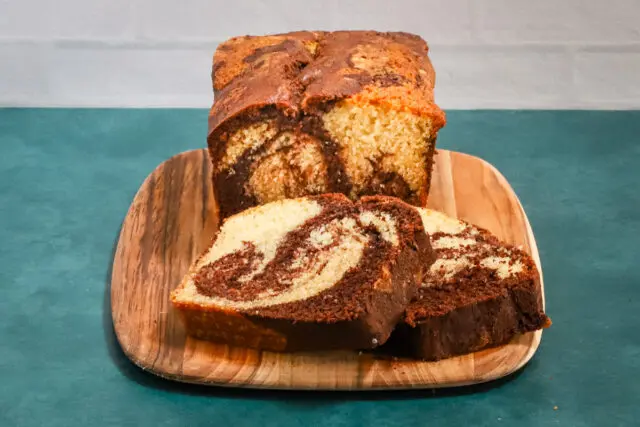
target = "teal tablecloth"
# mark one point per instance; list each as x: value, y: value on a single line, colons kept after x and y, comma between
x: 68, y: 176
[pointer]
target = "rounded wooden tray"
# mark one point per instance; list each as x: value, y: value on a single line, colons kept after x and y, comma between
x: 171, y: 221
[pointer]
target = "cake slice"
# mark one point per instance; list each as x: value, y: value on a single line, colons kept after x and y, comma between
x: 320, y: 112
x: 479, y: 293
x: 313, y: 273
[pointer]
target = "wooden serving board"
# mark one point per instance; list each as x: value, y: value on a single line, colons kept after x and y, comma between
x: 172, y: 220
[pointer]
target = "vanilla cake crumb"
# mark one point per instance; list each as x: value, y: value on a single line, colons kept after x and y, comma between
x: 447, y: 268
x: 447, y: 242
x: 368, y: 135
x: 384, y: 223
x: 437, y: 222
x: 502, y: 266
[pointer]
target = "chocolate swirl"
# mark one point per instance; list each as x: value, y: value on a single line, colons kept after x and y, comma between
x: 301, y: 262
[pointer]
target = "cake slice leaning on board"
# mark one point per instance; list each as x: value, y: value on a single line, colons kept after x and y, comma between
x: 479, y: 293
x: 315, y: 112
x: 313, y: 273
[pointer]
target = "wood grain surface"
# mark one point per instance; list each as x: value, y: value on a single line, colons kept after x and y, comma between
x: 172, y: 219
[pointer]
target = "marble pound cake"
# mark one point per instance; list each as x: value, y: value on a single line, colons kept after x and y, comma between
x: 313, y: 273
x: 478, y: 294
x: 309, y: 113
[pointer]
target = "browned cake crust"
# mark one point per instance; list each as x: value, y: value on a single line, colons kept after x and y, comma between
x: 347, y: 111
x: 483, y: 304
x: 358, y: 311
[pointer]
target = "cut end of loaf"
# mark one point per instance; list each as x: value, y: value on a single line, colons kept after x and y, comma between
x: 354, y: 149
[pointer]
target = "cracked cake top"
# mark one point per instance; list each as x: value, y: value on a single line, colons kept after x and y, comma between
x: 301, y: 72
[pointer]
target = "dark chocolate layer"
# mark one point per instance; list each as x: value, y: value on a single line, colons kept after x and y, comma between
x: 476, y: 326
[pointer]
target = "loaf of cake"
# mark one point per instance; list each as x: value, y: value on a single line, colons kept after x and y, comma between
x: 309, y: 113
x: 478, y: 294
x: 312, y: 273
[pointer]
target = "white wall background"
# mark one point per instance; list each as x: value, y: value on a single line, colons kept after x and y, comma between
x: 487, y: 53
